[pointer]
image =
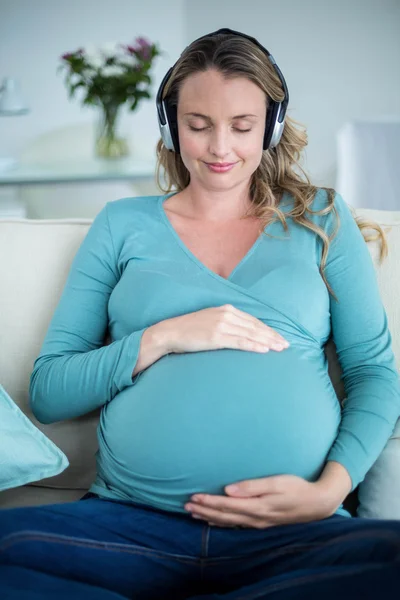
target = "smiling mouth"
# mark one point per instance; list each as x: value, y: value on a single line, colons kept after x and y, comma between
x: 220, y: 167
x: 220, y: 164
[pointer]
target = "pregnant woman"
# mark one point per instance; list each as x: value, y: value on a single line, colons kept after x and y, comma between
x: 218, y: 299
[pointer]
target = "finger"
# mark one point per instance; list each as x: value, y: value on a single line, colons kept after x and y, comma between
x: 256, y: 324
x: 238, y: 522
x: 256, y: 487
x: 257, y: 333
x: 245, y: 506
x: 245, y: 316
x: 215, y: 516
x: 243, y: 335
x: 254, y: 519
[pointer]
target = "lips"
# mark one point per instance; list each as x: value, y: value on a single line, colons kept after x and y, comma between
x: 220, y: 167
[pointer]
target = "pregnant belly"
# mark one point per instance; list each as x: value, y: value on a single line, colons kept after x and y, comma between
x: 196, y: 422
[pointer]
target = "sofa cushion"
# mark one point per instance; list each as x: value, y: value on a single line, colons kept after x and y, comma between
x: 379, y: 493
x: 35, y: 260
x: 34, y: 495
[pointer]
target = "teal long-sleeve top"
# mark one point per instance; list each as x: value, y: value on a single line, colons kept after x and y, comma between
x: 198, y: 421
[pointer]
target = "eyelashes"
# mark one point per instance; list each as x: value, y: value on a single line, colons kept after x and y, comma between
x: 204, y: 128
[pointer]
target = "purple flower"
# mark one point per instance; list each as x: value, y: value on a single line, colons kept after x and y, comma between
x: 142, y: 48
x: 145, y: 47
x: 142, y: 42
x: 130, y: 49
x: 69, y: 55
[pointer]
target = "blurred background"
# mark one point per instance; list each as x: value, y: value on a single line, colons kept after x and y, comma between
x: 341, y: 61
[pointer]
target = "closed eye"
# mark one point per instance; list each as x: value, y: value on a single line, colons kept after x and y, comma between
x: 204, y: 128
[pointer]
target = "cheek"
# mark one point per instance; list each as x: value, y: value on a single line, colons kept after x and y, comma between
x: 250, y: 144
x: 251, y: 150
x: 190, y: 145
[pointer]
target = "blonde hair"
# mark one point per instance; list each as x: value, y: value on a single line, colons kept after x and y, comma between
x: 235, y: 56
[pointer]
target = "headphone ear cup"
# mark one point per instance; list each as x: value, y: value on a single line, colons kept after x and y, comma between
x: 270, y: 122
x: 167, y: 119
x: 173, y: 126
x: 169, y: 131
x: 165, y: 127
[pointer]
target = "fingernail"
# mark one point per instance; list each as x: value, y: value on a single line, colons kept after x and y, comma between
x: 233, y: 488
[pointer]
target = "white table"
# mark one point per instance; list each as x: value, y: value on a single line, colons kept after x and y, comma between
x: 368, y: 159
x: 25, y: 175
x: 67, y: 172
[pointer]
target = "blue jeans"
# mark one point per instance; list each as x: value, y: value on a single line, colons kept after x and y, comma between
x: 96, y: 549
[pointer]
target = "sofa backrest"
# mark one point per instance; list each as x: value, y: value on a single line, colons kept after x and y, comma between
x: 35, y: 257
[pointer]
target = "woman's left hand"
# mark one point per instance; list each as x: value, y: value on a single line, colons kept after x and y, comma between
x: 266, y: 502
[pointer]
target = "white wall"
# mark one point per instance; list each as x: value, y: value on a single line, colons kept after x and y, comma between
x: 340, y: 59
x: 34, y: 33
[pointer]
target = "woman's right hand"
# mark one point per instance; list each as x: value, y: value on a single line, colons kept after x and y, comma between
x: 219, y: 327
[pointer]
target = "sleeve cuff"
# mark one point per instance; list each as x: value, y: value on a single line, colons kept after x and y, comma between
x: 128, y: 359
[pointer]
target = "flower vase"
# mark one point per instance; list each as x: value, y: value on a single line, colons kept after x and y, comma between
x: 109, y: 144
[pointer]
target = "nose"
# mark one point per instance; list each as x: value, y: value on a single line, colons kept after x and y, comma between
x: 220, y: 142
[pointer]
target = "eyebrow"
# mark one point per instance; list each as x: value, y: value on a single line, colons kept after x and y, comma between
x: 194, y: 114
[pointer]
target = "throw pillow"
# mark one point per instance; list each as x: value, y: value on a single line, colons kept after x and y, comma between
x: 26, y: 454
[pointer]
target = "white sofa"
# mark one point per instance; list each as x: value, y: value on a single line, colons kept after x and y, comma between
x: 35, y: 256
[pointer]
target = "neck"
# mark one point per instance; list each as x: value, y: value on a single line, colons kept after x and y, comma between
x: 216, y: 205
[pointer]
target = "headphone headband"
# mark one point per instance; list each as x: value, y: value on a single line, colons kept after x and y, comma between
x: 275, y: 118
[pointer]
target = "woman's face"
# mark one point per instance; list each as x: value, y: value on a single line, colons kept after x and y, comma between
x: 229, y: 115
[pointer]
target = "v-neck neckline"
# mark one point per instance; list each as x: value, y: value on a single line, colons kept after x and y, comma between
x: 192, y: 256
